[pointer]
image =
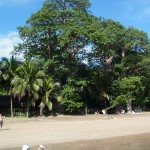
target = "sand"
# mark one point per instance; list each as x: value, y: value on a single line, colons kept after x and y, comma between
x: 59, y: 130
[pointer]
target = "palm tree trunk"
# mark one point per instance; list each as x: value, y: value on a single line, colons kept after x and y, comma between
x: 86, y: 108
x: 11, y: 105
x: 41, y: 111
x: 27, y: 107
x: 86, y: 111
x: 11, y: 102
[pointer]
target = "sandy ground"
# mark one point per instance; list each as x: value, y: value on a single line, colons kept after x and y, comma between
x: 63, y: 129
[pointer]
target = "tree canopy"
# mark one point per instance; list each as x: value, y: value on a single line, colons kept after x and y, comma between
x: 98, y: 63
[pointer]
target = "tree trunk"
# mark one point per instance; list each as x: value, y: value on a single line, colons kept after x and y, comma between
x: 11, y: 102
x: 86, y: 109
x: 41, y: 111
x: 105, y: 103
x: 129, y: 103
x: 11, y: 105
x: 27, y: 107
x: 129, y: 106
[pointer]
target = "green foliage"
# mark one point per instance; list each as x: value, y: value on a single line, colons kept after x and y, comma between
x: 72, y: 95
x: 70, y: 106
x: 27, y: 82
x: 91, y: 61
x: 50, y: 93
x: 55, y: 29
x: 132, y: 85
x: 127, y: 90
x: 120, y: 100
x: 7, y: 72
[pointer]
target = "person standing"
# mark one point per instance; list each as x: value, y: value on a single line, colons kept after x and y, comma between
x: 1, y: 121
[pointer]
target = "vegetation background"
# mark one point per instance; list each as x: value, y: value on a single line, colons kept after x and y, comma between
x: 75, y: 63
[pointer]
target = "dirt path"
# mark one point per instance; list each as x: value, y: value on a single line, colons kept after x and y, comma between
x: 50, y: 130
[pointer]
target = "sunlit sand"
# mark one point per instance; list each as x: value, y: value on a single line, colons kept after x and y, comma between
x: 63, y: 129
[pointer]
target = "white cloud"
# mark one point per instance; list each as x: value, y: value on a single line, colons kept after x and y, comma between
x: 7, y: 43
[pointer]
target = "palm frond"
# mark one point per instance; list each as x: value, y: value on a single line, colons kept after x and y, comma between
x: 35, y: 95
x: 49, y: 105
x: 42, y: 104
x: 35, y: 87
x: 40, y: 74
x: 39, y: 82
x: 58, y: 98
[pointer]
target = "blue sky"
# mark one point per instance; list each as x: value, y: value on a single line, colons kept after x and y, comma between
x: 134, y: 13
x: 14, y: 13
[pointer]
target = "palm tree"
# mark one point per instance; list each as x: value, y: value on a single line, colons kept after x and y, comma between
x: 27, y: 82
x: 8, y: 67
x: 50, y: 92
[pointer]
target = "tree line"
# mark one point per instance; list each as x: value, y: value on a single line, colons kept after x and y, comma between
x: 78, y: 61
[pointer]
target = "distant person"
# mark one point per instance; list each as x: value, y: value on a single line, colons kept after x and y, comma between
x: 1, y: 121
x: 25, y: 147
x: 41, y: 147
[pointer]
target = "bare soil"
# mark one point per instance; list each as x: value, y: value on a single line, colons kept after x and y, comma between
x: 71, y: 132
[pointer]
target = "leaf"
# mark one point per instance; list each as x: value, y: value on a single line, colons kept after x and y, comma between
x: 42, y: 105
x: 35, y: 87
x: 49, y: 105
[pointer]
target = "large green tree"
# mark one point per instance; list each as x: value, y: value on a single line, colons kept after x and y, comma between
x: 57, y: 36
x: 118, y: 54
x: 70, y: 44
